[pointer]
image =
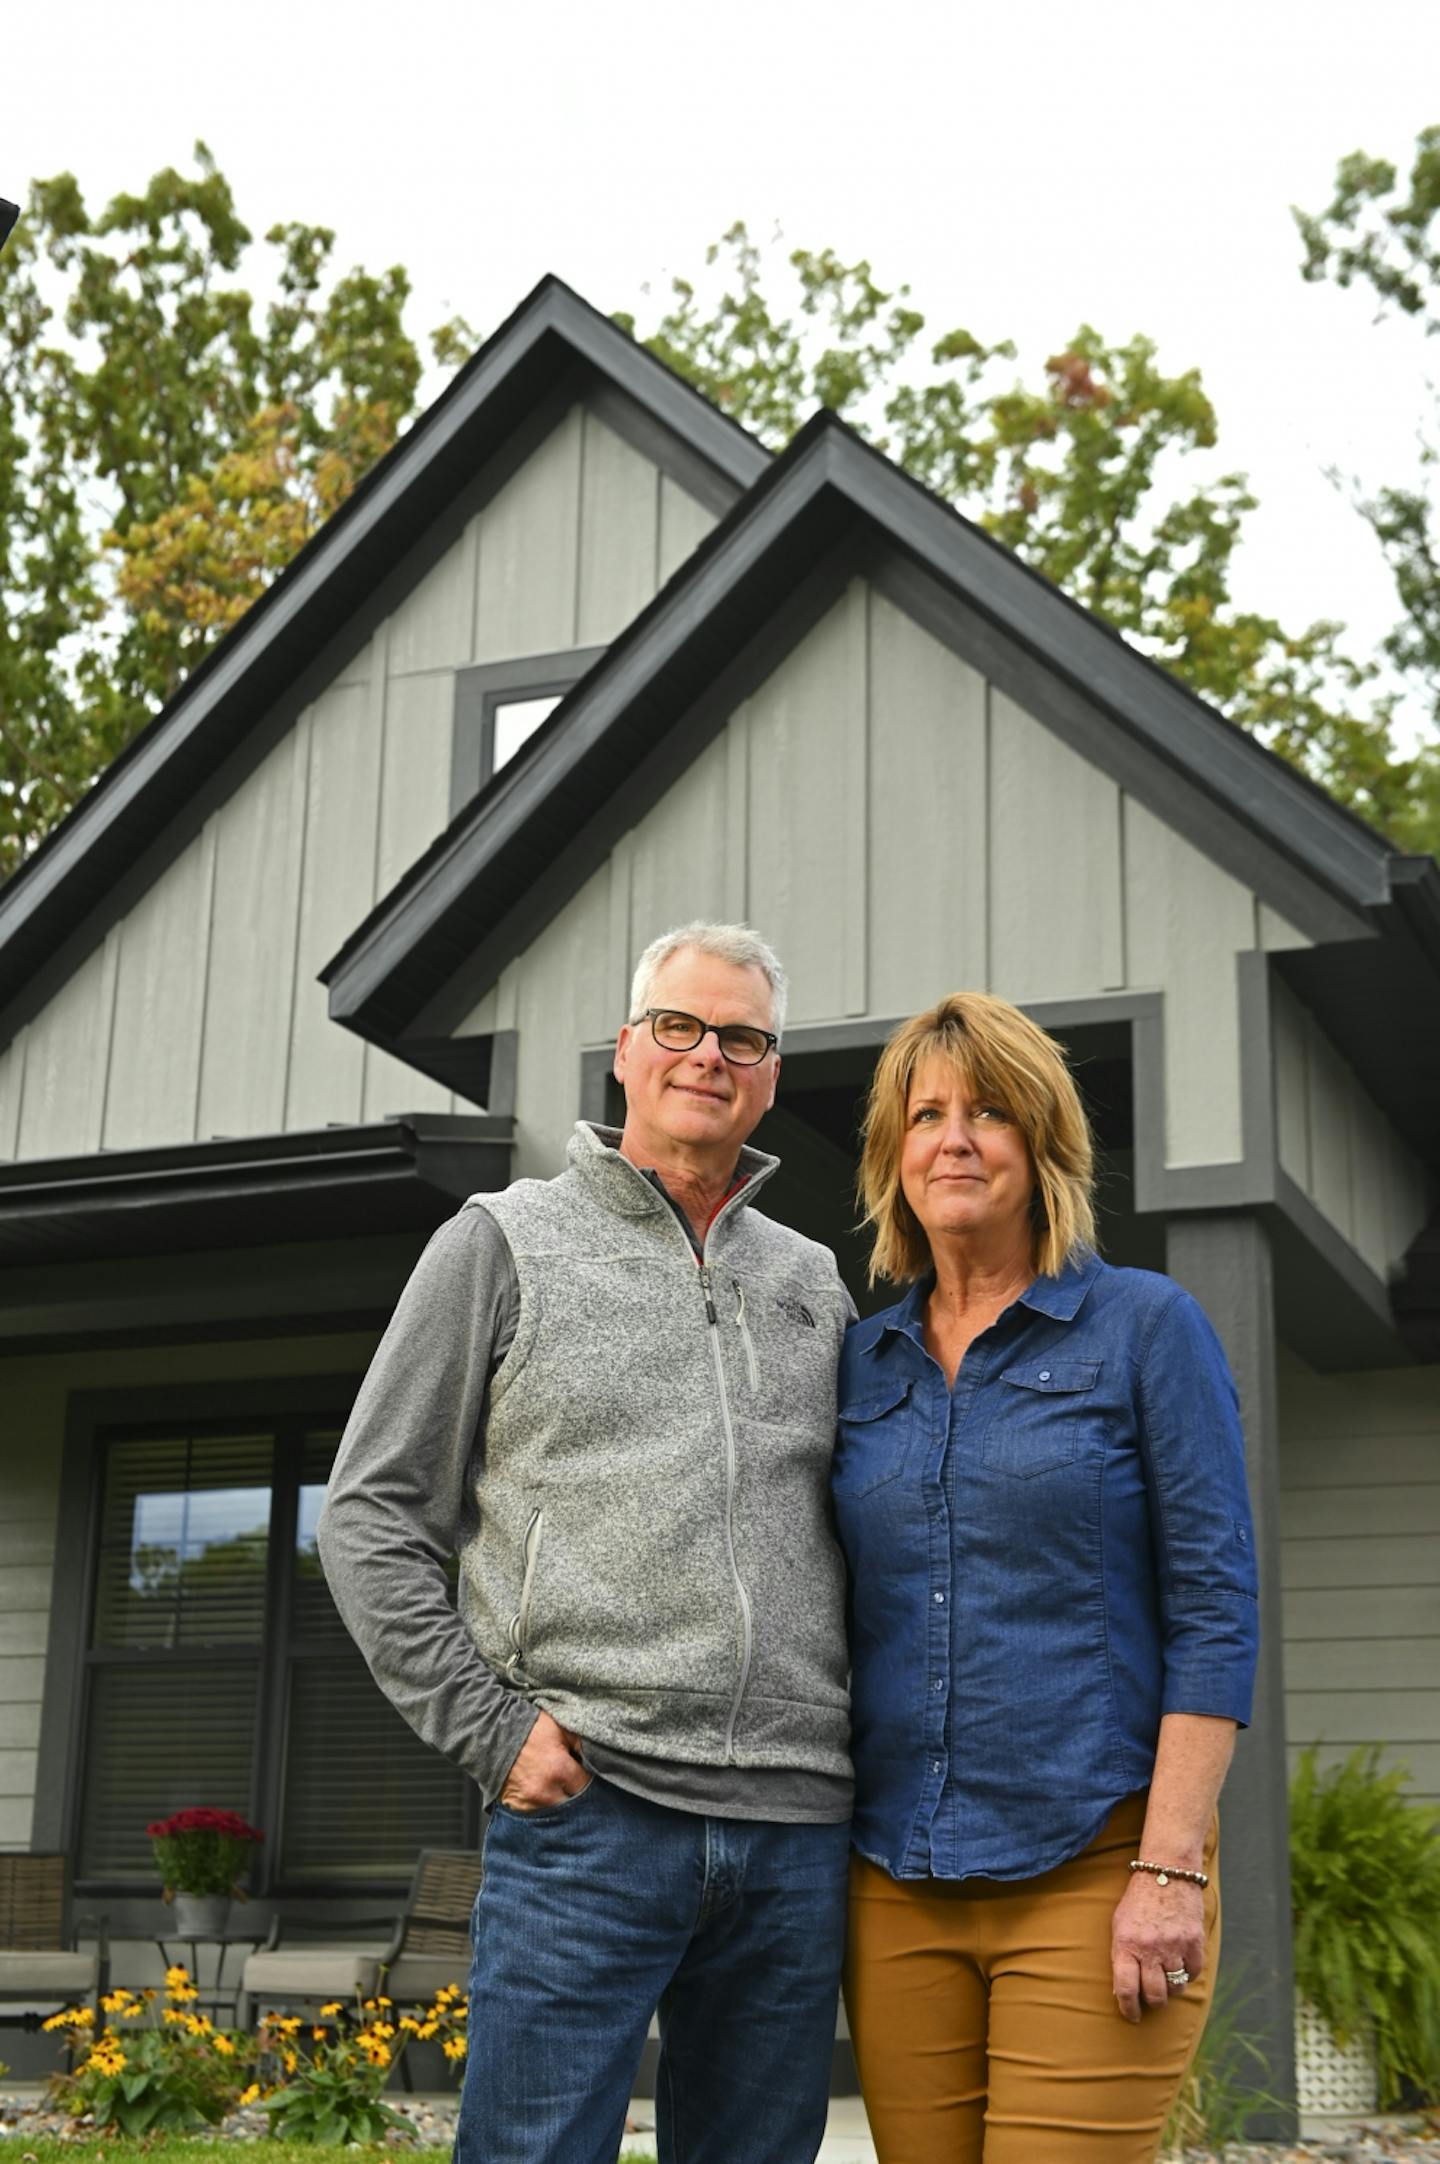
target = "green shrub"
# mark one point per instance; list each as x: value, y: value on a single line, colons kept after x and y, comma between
x: 152, y: 2069
x: 330, y: 2072
x: 1365, y: 1888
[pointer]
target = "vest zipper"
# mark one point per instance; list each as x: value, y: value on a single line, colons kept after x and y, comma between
x: 520, y: 1622
x: 752, y: 1365
x: 731, y: 1470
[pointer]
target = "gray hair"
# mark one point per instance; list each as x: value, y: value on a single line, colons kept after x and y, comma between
x: 734, y: 943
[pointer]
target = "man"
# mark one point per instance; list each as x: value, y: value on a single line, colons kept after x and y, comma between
x: 612, y: 1394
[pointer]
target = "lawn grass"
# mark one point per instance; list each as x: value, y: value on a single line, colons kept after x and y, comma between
x: 189, y: 2149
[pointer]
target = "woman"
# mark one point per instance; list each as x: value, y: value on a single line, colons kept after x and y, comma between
x: 1040, y: 1488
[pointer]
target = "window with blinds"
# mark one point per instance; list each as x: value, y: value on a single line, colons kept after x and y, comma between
x: 219, y: 1672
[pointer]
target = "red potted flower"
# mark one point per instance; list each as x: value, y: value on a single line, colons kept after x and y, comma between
x: 200, y: 1854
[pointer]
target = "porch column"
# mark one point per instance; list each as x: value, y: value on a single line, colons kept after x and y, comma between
x: 1224, y: 1260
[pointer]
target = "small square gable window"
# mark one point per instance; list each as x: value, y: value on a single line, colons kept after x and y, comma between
x: 499, y: 705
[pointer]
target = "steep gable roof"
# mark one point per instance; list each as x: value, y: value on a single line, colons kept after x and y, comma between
x: 830, y: 507
x: 553, y: 347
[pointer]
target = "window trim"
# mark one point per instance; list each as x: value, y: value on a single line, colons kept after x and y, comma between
x: 60, y: 1764
x: 480, y: 689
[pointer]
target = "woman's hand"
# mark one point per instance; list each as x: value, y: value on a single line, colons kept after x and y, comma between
x: 1156, y: 1928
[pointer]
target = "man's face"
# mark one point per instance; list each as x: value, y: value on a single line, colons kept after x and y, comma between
x: 696, y: 1100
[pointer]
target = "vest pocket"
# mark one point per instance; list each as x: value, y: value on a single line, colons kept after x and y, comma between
x: 520, y: 1621
x: 1036, y: 1426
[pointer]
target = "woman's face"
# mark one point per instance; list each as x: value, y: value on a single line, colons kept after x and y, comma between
x: 965, y: 1167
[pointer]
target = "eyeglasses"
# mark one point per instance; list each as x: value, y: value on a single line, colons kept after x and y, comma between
x: 677, y: 1032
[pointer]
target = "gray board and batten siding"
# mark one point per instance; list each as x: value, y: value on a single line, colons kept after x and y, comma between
x: 1360, y: 1563
x: 199, y: 1013
x: 870, y: 749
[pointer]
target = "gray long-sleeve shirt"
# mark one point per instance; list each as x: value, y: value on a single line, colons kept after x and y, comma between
x: 400, y: 1505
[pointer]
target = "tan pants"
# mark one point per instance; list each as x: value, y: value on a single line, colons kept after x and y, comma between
x: 984, y: 2021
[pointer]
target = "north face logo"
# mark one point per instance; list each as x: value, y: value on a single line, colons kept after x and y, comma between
x: 797, y: 1312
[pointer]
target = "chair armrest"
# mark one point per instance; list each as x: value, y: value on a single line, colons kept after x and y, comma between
x: 333, y: 1934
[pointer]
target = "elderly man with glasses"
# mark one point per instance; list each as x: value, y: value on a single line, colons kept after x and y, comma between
x: 612, y: 1395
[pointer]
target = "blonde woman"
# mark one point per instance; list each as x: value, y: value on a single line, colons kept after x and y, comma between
x: 1040, y: 1488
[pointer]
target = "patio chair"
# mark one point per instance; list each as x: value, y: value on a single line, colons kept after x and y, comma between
x: 42, y: 1966
x: 427, y: 1945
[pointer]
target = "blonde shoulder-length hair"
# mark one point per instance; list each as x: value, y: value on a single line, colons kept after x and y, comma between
x: 1005, y: 1059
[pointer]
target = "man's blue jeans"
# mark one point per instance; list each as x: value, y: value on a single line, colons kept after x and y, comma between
x: 597, y: 1912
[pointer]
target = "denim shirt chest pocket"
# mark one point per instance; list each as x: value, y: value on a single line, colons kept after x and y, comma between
x: 873, y: 1438
x: 1042, y: 1408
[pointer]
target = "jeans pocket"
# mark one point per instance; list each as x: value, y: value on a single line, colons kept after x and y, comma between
x: 546, y: 1811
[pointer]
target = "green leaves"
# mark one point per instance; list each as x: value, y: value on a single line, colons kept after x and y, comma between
x: 1385, y: 234
x: 166, y: 446
x: 1365, y: 1888
x: 1082, y: 473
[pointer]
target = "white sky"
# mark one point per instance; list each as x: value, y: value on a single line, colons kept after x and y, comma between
x: 1023, y: 167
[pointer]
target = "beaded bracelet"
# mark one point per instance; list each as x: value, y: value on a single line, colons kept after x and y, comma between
x: 1162, y: 1873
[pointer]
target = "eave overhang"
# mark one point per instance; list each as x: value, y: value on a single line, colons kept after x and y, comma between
x: 399, y: 1175
x: 830, y: 500
x: 554, y: 340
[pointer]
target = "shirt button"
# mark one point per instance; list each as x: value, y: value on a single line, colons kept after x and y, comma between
x: 1044, y: 1375
x: 939, y: 1599
x: 938, y: 1684
x: 937, y: 1765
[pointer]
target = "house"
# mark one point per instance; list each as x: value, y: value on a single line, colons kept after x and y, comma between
x: 345, y: 935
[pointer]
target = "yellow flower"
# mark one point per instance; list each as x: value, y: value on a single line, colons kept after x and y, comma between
x: 173, y: 2014
x: 290, y: 2060
x: 384, y: 2002
x: 454, y: 2047
x: 83, y: 2017
x: 378, y: 2054
x: 248, y: 2096
x: 369, y: 2005
x: 319, y: 2035
x: 224, y: 2046
x: 331, y: 2006
x: 409, y: 2024
x: 426, y: 2028
x: 115, y: 2002
x: 64, y: 2020
x: 383, y: 2028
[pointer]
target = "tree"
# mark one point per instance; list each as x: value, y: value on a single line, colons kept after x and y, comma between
x: 1385, y: 234
x: 1083, y: 475
x: 165, y: 448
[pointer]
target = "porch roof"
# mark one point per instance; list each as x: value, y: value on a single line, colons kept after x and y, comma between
x: 397, y: 1175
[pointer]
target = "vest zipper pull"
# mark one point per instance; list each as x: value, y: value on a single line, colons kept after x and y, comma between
x: 710, y: 1314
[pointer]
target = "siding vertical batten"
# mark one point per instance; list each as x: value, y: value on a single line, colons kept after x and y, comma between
x: 1225, y: 1262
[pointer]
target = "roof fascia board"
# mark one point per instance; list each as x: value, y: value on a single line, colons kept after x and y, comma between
x: 363, y: 965
x: 539, y: 902
x: 1322, y: 869
x: 1138, y: 694
x: 692, y: 435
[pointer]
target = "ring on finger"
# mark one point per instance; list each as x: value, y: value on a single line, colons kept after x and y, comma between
x: 1177, y: 1979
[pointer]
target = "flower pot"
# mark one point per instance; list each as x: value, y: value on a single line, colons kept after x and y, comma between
x: 1332, y: 2081
x: 200, y: 1916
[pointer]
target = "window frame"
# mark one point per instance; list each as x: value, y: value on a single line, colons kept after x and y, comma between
x: 484, y: 687
x: 291, y: 1404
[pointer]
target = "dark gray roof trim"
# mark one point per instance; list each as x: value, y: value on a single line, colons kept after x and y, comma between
x: 828, y: 492
x: 551, y: 335
x: 336, y: 1182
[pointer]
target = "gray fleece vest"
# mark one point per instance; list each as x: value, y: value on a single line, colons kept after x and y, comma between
x: 654, y: 1561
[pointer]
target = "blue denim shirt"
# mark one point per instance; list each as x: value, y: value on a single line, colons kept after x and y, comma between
x: 1043, y: 1561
